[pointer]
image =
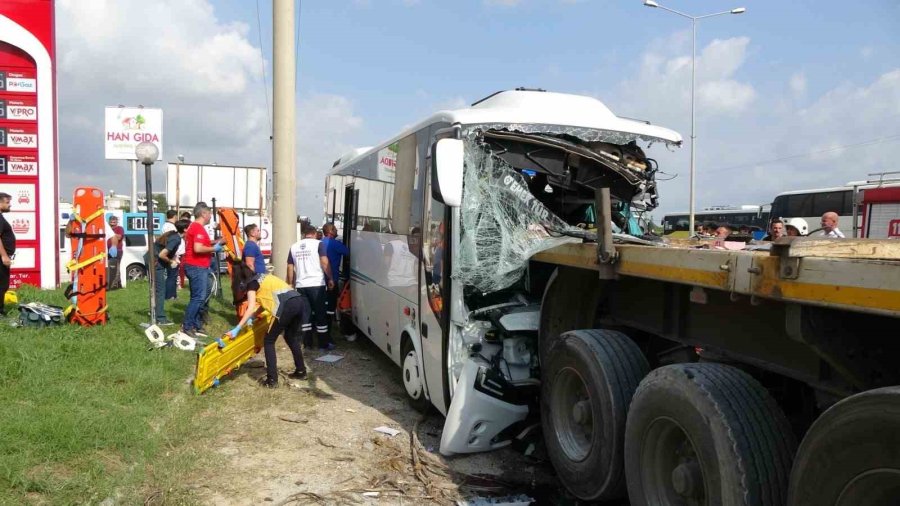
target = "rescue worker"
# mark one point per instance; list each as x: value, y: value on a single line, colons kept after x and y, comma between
x: 288, y: 309
x: 335, y: 251
x: 308, y: 270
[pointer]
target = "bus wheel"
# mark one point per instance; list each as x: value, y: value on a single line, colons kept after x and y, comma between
x: 851, y: 454
x: 413, y: 379
x: 706, y: 434
x: 589, y: 377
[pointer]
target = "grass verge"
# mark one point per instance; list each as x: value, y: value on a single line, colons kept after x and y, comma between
x: 90, y: 414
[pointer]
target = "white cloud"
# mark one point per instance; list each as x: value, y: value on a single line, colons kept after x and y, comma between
x: 867, y: 52
x: 741, y: 131
x: 798, y: 83
x: 204, y: 73
x: 504, y: 3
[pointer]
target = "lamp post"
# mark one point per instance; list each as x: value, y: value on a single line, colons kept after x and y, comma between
x: 738, y: 10
x: 147, y: 153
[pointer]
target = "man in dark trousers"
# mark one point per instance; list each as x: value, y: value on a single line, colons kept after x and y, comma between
x: 335, y: 251
x: 309, y: 272
x: 7, y: 249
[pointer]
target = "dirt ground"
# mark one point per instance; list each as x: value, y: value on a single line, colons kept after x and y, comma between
x: 312, y: 442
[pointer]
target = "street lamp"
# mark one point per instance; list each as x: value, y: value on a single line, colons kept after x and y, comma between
x: 738, y: 10
x: 147, y: 153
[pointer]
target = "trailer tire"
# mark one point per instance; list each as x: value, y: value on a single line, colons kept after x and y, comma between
x: 589, y: 377
x: 707, y: 434
x: 851, y: 454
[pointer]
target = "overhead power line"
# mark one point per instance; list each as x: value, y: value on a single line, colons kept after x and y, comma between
x: 869, y: 142
x: 262, y: 62
x: 297, y: 47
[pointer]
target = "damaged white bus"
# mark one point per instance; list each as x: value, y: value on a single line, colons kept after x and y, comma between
x: 495, y: 256
x: 443, y: 287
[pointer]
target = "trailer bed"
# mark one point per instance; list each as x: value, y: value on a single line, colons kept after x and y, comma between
x: 855, y: 275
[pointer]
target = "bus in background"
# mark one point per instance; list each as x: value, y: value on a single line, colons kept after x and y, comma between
x: 812, y: 204
x: 755, y: 217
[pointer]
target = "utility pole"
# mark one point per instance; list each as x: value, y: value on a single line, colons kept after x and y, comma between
x: 284, y: 208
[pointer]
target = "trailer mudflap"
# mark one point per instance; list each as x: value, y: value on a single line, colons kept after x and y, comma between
x: 214, y: 363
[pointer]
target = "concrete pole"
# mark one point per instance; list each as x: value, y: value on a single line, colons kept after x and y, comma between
x: 284, y: 208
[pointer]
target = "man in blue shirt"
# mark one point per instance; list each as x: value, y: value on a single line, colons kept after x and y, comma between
x: 335, y: 251
x: 253, y: 256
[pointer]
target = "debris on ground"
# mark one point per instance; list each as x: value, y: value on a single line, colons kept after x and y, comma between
x: 512, y: 500
x: 387, y: 430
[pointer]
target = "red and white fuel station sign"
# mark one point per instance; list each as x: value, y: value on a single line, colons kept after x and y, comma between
x: 28, y: 158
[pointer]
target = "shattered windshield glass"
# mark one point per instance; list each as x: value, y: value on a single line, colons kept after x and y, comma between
x: 528, y: 188
x: 503, y: 224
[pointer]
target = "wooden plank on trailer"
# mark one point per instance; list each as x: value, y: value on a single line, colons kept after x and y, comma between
x: 860, y: 249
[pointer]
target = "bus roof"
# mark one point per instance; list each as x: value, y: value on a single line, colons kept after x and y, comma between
x: 698, y: 212
x: 536, y: 107
x: 849, y: 186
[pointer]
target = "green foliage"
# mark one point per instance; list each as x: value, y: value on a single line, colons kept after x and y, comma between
x: 90, y: 413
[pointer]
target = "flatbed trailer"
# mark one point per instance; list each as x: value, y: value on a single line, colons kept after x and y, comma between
x: 691, y: 374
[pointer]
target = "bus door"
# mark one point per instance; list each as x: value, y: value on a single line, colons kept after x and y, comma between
x: 351, y: 205
x: 435, y: 296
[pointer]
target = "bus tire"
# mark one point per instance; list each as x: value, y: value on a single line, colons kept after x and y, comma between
x: 851, y: 454
x: 707, y: 434
x: 412, y: 377
x: 589, y: 377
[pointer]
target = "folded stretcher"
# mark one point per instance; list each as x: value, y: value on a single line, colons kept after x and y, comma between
x: 215, y: 362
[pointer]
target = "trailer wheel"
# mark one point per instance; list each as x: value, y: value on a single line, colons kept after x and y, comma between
x: 413, y: 379
x: 589, y: 377
x: 706, y: 434
x: 851, y: 454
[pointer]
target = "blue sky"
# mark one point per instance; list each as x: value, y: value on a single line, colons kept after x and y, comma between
x: 783, y: 79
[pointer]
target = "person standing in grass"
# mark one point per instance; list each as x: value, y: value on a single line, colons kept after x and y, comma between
x: 172, y: 273
x: 288, y: 310
x: 198, y: 252
x: 7, y: 248
x: 165, y: 248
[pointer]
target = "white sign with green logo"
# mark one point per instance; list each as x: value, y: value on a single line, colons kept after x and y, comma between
x: 126, y: 127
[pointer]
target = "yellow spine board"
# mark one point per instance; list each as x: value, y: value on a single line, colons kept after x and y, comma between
x: 214, y: 363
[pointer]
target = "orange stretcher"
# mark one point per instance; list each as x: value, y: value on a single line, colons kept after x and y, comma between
x: 87, y: 231
x: 230, y: 228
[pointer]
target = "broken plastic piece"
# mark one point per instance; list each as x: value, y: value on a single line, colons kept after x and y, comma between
x: 512, y: 500
x: 387, y: 430
x: 155, y: 336
x: 330, y: 359
x: 476, y: 417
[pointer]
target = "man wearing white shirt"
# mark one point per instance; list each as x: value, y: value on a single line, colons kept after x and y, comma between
x: 310, y: 273
x: 830, y: 226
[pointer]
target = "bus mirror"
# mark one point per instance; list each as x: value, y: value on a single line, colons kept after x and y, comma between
x: 447, y: 171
